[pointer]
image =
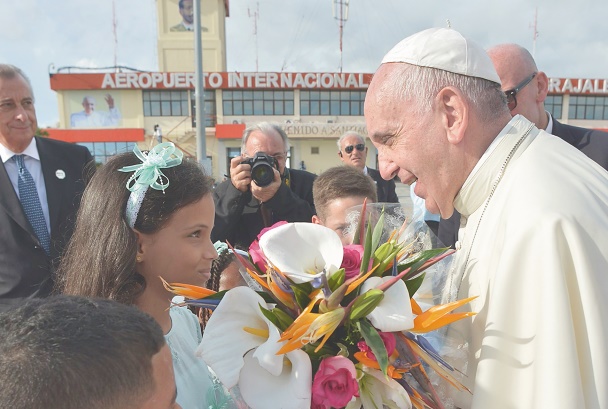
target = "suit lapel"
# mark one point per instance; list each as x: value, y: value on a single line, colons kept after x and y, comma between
x: 10, y: 202
x: 560, y: 131
x: 53, y: 185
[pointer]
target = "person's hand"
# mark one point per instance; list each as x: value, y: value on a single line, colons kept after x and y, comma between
x: 240, y: 174
x: 264, y: 194
x: 109, y: 101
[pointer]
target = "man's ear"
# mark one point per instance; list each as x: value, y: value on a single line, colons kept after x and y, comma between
x: 542, y: 85
x: 340, y: 153
x: 454, y: 111
x: 316, y: 220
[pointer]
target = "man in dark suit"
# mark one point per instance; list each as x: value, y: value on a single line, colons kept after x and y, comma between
x: 353, y: 152
x: 526, y: 88
x: 41, y: 181
x: 243, y: 208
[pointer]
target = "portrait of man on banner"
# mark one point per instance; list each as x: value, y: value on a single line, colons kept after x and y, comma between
x: 186, y: 10
x: 90, y: 117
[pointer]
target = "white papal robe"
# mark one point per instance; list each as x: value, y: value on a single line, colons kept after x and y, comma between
x: 534, y: 249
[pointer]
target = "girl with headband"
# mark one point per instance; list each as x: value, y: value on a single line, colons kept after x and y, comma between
x: 145, y: 216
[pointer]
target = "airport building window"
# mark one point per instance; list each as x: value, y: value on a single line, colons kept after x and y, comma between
x: 165, y: 103
x: 258, y: 102
x: 587, y: 107
x: 102, y: 151
x: 346, y: 103
x: 210, y: 113
x: 178, y: 103
x: 553, y: 105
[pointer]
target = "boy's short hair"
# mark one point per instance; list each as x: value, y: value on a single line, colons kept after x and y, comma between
x: 67, y: 352
x: 340, y: 182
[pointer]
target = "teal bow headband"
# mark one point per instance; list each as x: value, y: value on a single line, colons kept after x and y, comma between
x: 148, y: 174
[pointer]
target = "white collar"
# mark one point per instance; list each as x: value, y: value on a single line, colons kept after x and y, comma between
x: 549, y: 128
x: 31, y: 151
x: 479, y: 184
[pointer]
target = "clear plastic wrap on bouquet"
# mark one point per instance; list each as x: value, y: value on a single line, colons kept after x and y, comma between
x: 316, y: 313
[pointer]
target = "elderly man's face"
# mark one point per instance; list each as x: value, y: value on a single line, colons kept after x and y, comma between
x: 409, y: 144
x: 89, y: 105
x: 17, y: 114
x: 356, y: 157
x: 271, y: 144
x: 187, y: 11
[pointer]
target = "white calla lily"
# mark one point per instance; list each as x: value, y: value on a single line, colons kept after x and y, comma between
x: 379, y: 391
x: 394, y: 313
x: 291, y: 389
x: 240, y: 344
x: 303, y: 251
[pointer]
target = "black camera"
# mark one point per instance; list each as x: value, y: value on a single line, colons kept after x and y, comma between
x: 261, y: 168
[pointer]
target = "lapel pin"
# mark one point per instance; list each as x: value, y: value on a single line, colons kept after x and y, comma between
x: 60, y: 174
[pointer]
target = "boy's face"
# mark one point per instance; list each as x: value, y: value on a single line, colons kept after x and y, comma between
x: 335, y: 216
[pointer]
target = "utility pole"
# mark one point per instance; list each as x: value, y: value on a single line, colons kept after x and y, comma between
x: 255, y: 15
x: 340, y: 11
x: 114, y: 32
x: 535, y: 33
x: 199, y: 91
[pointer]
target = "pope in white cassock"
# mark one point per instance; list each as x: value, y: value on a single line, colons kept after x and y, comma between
x: 533, y: 242
x: 89, y: 117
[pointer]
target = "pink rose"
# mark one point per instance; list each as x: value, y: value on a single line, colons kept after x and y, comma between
x: 335, y: 383
x: 351, y: 261
x: 254, y: 249
x: 390, y: 343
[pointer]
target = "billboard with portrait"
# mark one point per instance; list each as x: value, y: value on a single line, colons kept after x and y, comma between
x: 95, y: 109
x: 183, y: 20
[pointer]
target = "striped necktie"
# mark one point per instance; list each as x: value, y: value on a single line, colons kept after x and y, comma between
x: 31, y: 203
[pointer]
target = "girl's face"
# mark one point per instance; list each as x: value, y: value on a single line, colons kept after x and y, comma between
x: 182, y: 250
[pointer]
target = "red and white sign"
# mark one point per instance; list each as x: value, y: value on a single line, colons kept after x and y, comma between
x: 577, y: 86
x: 213, y: 80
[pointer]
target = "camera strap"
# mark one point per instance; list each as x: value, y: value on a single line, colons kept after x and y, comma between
x: 287, y: 177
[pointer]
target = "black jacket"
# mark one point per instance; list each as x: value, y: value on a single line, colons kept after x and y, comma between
x: 238, y: 216
x: 385, y: 188
x: 25, y: 268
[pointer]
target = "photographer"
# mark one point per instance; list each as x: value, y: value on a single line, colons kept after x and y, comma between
x: 243, y: 207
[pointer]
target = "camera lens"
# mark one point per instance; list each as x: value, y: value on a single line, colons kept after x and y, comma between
x: 262, y: 174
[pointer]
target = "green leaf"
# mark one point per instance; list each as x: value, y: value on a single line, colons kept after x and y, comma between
x: 285, y: 320
x: 414, y: 284
x: 367, y: 250
x: 301, y: 292
x: 358, y: 238
x: 271, y: 317
x: 365, y: 303
x: 336, y: 279
x: 343, y: 350
x: 378, y: 228
x: 383, y: 263
x: 267, y: 297
x: 419, y: 260
x: 373, y: 340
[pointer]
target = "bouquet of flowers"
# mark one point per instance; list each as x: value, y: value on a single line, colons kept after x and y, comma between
x: 329, y: 326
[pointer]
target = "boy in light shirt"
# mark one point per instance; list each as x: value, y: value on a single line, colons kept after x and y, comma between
x: 335, y: 191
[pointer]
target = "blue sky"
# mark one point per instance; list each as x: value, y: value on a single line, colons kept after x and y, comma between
x: 296, y: 35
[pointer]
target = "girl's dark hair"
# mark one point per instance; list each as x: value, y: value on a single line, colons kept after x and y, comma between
x: 217, y: 266
x: 100, y: 258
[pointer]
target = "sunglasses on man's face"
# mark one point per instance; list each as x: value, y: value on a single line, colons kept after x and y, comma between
x: 359, y: 147
x: 511, y: 100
